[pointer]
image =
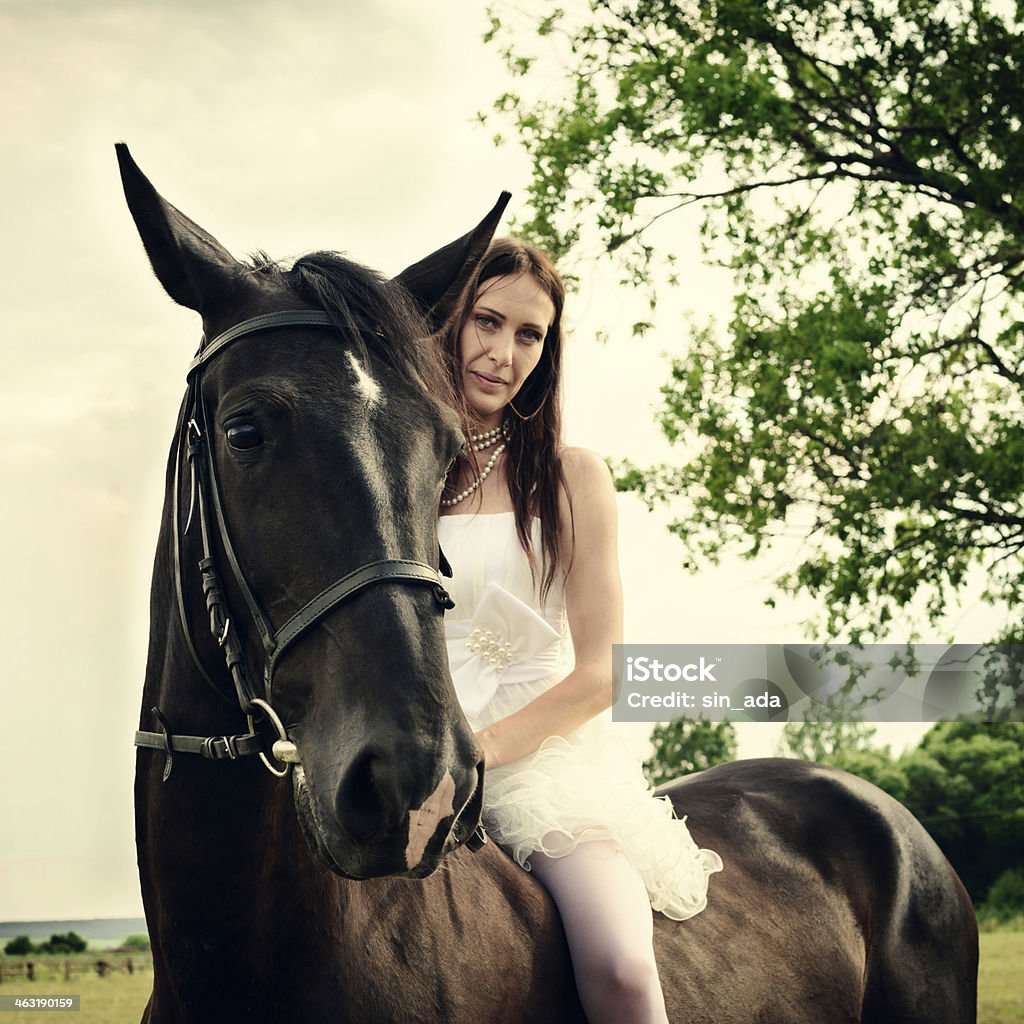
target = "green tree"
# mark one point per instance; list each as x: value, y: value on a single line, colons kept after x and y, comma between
x: 69, y: 942
x: 858, y: 166
x: 825, y: 739
x: 1005, y: 900
x: 965, y: 783
x: 682, y: 747
x: 21, y: 945
x: 832, y: 729
x: 138, y: 943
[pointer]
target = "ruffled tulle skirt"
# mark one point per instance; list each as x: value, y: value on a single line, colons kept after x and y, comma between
x: 587, y: 786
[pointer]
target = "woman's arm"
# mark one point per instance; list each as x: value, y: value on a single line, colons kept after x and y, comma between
x: 593, y: 599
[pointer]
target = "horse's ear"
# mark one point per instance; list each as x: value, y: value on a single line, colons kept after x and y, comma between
x: 438, y: 281
x: 191, y: 264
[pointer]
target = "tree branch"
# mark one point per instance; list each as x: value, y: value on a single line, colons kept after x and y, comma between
x: 947, y: 501
x: 971, y: 337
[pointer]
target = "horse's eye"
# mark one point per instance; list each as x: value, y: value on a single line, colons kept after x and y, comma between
x: 244, y: 437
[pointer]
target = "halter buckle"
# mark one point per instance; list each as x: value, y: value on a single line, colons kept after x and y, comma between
x: 209, y: 750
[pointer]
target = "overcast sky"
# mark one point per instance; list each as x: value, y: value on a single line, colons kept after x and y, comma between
x: 280, y: 127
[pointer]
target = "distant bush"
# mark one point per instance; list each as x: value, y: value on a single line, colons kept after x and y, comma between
x: 56, y: 945
x: 987, y: 924
x: 1005, y: 900
x: 21, y: 945
x: 59, y: 945
x: 136, y: 944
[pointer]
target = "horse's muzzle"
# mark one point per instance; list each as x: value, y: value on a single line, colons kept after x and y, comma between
x: 372, y: 835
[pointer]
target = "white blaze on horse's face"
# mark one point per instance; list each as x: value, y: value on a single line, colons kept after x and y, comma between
x: 365, y: 445
x: 423, y: 821
x: 365, y: 384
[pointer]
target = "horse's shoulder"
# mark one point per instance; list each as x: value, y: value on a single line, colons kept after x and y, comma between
x: 490, y: 882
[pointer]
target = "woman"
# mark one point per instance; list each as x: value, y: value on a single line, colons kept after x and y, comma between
x: 529, y: 527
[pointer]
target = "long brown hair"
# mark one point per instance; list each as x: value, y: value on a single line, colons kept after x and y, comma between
x: 533, y: 462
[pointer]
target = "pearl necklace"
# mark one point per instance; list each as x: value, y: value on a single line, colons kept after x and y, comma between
x: 479, y: 443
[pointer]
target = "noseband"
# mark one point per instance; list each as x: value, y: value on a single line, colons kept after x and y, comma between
x: 193, y: 439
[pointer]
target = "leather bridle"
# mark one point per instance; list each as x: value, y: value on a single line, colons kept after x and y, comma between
x: 194, y: 441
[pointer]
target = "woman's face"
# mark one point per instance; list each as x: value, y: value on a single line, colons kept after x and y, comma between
x: 501, y: 342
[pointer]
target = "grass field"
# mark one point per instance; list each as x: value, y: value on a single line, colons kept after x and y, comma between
x: 117, y: 999
x: 120, y: 998
x: 1001, y: 978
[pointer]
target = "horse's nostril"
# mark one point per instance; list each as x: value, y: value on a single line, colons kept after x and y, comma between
x: 368, y: 803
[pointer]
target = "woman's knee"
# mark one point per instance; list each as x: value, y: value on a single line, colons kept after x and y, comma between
x: 620, y: 975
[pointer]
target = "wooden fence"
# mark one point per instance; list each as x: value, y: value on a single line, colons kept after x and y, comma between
x: 49, y: 968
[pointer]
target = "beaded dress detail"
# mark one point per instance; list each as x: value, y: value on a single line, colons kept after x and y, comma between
x: 505, y: 649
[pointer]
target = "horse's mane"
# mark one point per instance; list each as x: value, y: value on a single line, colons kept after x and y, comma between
x: 377, y: 313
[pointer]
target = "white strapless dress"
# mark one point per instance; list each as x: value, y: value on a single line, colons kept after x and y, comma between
x: 506, y: 649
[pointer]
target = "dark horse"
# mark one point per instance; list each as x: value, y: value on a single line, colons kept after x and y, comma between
x: 296, y: 615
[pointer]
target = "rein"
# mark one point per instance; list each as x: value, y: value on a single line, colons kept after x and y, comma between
x: 193, y: 440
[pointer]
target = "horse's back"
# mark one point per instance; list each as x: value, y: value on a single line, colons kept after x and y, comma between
x: 834, y: 905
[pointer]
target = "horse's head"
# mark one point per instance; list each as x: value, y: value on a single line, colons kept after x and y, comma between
x: 319, y: 451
